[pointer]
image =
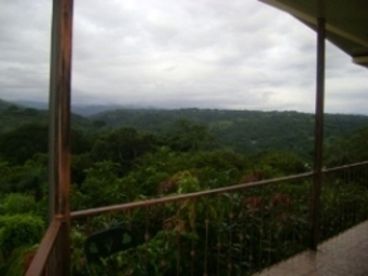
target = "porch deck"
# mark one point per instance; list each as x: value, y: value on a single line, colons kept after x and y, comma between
x: 345, y: 254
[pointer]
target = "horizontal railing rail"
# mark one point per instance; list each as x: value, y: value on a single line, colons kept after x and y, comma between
x: 47, y: 244
x: 167, y: 199
x: 232, y: 188
x: 43, y: 258
x: 344, y: 189
x: 345, y: 167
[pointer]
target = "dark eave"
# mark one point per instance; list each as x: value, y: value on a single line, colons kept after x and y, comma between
x: 346, y: 22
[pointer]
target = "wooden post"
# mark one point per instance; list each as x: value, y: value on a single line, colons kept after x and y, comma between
x: 318, y: 146
x: 59, y: 131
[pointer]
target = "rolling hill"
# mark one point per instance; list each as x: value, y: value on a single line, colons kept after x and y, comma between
x: 240, y: 130
x: 245, y: 131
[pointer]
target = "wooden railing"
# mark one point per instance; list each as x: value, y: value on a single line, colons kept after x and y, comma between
x: 44, y: 262
x: 181, y: 197
x: 41, y: 262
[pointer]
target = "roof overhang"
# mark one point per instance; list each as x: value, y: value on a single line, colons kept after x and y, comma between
x: 346, y: 22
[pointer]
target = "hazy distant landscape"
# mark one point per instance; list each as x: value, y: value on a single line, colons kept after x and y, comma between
x: 125, y: 154
x: 193, y: 146
x: 240, y: 130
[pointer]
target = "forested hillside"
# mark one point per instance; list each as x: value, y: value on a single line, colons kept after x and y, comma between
x: 4, y: 105
x: 129, y: 155
x: 244, y: 131
x: 13, y: 116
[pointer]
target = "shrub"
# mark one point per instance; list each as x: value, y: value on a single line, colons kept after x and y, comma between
x: 19, y: 230
x: 18, y: 204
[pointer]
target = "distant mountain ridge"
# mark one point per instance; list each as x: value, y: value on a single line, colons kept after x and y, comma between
x: 4, y: 105
x: 251, y: 131
x: 14, y: 115
x: 32, y: 104
x: 239, y: 130
x: 84, y: 110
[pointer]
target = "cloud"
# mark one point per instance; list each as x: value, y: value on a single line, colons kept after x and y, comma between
x: 24, y: 49
x: 204, y: 53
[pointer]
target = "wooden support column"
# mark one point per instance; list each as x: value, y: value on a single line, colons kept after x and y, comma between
x: 59, y: 132
x: 319, y: 124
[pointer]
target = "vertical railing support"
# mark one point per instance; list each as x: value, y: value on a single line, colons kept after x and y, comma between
x: 59, y: 131
x: 318, y: 146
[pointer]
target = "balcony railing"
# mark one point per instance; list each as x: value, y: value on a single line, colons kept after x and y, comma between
x: 233, y: 230
x: 44, y: 261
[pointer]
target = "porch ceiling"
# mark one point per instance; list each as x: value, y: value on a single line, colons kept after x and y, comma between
x: 346, y: 22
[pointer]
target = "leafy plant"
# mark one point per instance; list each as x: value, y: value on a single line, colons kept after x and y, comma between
x: 17, y: 204
x: 19, y: 230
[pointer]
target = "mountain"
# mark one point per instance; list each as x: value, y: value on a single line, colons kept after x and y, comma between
x: 240, y: 130
x: 32, y: 104
x: 13, y: 116
x: 89, y: 110
x: 4, y: 105
x: 81, y: 109
x: 246, y: 131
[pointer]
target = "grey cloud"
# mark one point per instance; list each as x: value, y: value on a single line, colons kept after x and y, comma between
x: 164, y: 53
x: 24, y: 49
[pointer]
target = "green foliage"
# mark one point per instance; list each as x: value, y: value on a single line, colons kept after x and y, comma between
x: 21, y: 144
x: 149, y: 153
x: 79, y: 167
x: 344, y: 203
x: 156, y: 257
x: 350, y: 149
x: 186, y: 182
x: 188, y: 136
x: 79, y: 263
x: 81, y: 141
x: 242, y: 131
x: 29, y: 177
x: 18, y: 261
x: 164, y: 160
x: 218, y: 168
x: 17, y: 204
x: 19, y: 230
x: 122, y: 146
x: 4, y: 105
x: 282, y: 163
x: 13, y: 117
x: 99, y: 188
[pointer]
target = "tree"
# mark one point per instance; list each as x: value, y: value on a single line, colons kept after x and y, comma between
x: 21, y: 144
x: 189, y: 136
x: 99, y: 188
x: 19, y: 230
x: 350, y: 149
x: 30, y: 177
x: 17, y: 204
x: 123, y: 146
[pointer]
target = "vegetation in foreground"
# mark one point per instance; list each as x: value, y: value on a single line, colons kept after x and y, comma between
x: 237, y: 232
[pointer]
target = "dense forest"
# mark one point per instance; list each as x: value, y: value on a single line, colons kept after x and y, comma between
x: 132, y: 154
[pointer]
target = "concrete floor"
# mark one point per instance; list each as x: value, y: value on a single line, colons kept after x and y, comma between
x: 343, y: 255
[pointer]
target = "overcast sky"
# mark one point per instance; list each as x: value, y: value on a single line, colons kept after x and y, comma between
x: 239, y: 54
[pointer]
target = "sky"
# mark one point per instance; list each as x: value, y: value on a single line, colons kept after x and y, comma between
x: 239, y: 54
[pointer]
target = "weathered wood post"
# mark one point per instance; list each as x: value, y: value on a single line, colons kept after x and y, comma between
x: 59, y: 132
x: 319, y: 124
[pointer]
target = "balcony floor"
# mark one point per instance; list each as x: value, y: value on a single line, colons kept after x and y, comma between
x: 345, y: 254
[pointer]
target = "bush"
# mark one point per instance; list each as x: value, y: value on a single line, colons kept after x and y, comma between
x: 18, y: 204
x: 19, y: 230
